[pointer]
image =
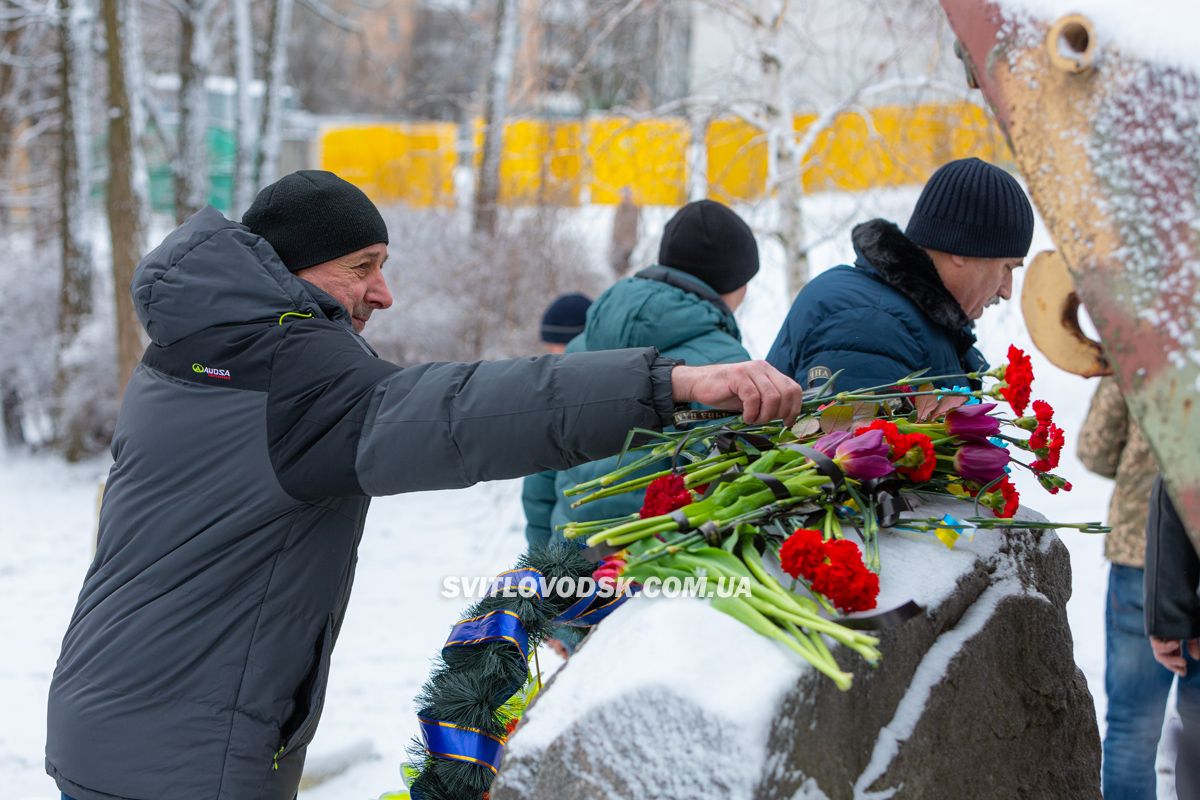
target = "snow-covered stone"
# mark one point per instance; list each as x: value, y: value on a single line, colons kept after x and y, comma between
x: 977, y: 697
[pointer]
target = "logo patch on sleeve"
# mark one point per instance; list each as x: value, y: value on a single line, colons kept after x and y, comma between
x: 819, y: 374
x: 211, y: 372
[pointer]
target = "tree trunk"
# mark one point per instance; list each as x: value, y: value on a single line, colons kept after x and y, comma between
x: 195, y: 56
x: 267, y: 165
x: 246, y: 154
x: 9, y: 41
x: 126, y: 199
x: 10, y: 417
x: 783, y: 156
x: 495, y: 109
x: 76, y: 24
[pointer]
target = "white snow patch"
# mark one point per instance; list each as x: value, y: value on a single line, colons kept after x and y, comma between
x: 678, y: 646
x: 1160, y: 30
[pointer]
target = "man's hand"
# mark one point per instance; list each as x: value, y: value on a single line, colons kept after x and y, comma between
x: 761, y: 392
x: 1169, y: 653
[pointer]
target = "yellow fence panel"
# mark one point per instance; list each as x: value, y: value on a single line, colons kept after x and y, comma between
x: 411, y: 163
x: 358, y: 153
x: 427, y: 163
x: 547, y: 162
x: 647, y: 157
x: 897, y: 145
x: 541, y: 162
x: 736, y: 167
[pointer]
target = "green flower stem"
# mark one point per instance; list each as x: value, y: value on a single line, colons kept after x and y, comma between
x: 666, y: 549
x: 700, y: 472
x: 997, y: 523
x: 702, y: 511
x: 598, y: 524
x: 748, y: 615
x: 782, y: 602
x: 658, y: 453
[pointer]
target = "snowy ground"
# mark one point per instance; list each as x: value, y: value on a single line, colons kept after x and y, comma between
x: 397, y: 619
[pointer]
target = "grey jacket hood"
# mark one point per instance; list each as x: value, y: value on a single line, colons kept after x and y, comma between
x: 210, y: 271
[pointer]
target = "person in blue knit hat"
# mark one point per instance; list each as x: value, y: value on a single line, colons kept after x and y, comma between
x: 911, y: 297
x: 564, y: 320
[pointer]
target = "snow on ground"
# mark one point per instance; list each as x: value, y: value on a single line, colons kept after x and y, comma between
x: 397, y: 619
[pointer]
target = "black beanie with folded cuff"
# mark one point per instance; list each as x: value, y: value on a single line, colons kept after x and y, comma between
x: 313, y: 216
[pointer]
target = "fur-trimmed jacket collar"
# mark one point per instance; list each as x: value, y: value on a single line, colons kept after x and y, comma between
x: 900, y: 263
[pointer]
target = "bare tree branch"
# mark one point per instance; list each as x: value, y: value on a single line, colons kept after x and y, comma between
x: 613, y: 22
x: 332, y: 17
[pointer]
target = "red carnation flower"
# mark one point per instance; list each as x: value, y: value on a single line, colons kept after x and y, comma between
x: 802, y: 553
x: 845, y: 580
x: 922, y: 471
x: 922, y: 462
x: 664, y: 495
x: 1043, y: 411
x: 1050, y: 439
x: 1018, y: 378
x: 1012, y: 499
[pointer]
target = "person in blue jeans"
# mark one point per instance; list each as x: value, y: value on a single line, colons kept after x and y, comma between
x: 1112, y: 444
x: 1137, y: 687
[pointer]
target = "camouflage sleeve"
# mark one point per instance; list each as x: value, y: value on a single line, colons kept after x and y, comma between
x: 1105, y: 430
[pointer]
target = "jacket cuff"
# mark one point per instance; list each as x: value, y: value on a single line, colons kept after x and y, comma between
x: 660, y: 388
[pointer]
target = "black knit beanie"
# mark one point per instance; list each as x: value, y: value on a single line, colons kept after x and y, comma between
x: 709, y: 241
x: 971, y: 208
x: 313, y: 216
x: 565, y: 318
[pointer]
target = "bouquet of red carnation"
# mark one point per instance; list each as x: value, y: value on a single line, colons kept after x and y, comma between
x: 731, y: 489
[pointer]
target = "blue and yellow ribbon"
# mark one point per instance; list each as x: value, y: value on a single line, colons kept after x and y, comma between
x: 517, y: 578
x: 499, y: 625
x: 461, y: 743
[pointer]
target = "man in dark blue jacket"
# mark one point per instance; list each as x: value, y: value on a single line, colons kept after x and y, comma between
x: 911, y: 298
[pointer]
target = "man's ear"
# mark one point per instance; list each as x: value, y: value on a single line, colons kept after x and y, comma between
x: 958, y: 261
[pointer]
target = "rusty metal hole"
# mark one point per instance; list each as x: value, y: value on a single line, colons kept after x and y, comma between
x: 1071, y: 43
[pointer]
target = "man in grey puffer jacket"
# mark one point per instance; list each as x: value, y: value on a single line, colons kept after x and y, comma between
x: 250, y: 440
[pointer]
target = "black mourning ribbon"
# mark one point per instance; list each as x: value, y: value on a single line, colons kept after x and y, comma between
x: 824, y: 463
x: 726, y: 440
x: 733, y: 473
x: 774, y: 484
x: 886, y: 619
x: 885, y: 492
x: 598, y: 552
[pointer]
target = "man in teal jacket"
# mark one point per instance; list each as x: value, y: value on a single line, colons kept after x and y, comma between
x: 683, y: 305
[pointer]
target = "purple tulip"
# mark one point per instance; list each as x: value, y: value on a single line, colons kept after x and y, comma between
x: 863, y: 457
x: 973, y: 421
x: 982, y: 463
x: 828, y: 443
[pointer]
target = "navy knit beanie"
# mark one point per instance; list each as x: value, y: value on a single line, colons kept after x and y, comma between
x: 565, y: 318
x: 709, y: 241
x: 971, y: 208
x: 313, y: 216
